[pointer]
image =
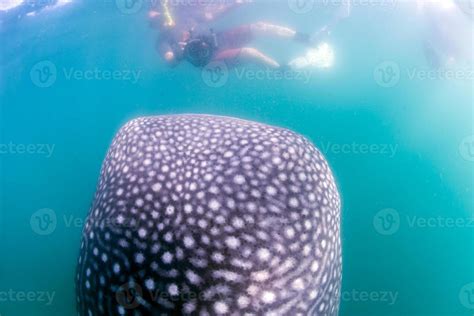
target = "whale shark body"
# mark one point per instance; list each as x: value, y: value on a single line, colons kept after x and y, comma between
x: 206, y: 215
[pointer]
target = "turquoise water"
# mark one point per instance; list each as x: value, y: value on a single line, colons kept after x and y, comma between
x: 401, y: 153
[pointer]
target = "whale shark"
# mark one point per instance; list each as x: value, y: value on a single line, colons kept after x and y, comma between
x: 209, y: 215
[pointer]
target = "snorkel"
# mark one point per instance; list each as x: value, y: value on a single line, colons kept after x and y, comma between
x: 169, y: 21
x: 200, y: 49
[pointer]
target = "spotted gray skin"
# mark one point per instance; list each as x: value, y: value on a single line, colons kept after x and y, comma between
x: 205, y: 215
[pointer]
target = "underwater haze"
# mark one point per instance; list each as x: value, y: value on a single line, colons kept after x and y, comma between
x: 392, y: 112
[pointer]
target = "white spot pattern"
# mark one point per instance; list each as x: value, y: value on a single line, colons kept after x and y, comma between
x: 236, y: 216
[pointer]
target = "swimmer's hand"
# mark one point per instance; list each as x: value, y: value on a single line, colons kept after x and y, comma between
x: 318, y: 57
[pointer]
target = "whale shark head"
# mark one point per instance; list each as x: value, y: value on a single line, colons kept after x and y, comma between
x: 205, y: 215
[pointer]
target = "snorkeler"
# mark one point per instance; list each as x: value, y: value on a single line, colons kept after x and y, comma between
x: 174, y: 21
x: 184, y: 41
x: 232, y: 46
x: 183, y: 37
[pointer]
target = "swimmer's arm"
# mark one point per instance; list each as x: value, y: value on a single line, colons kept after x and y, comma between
x: 257, y: 57
x: 248, y: 55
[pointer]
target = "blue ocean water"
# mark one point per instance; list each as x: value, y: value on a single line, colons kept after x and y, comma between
x: 398, y: 136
